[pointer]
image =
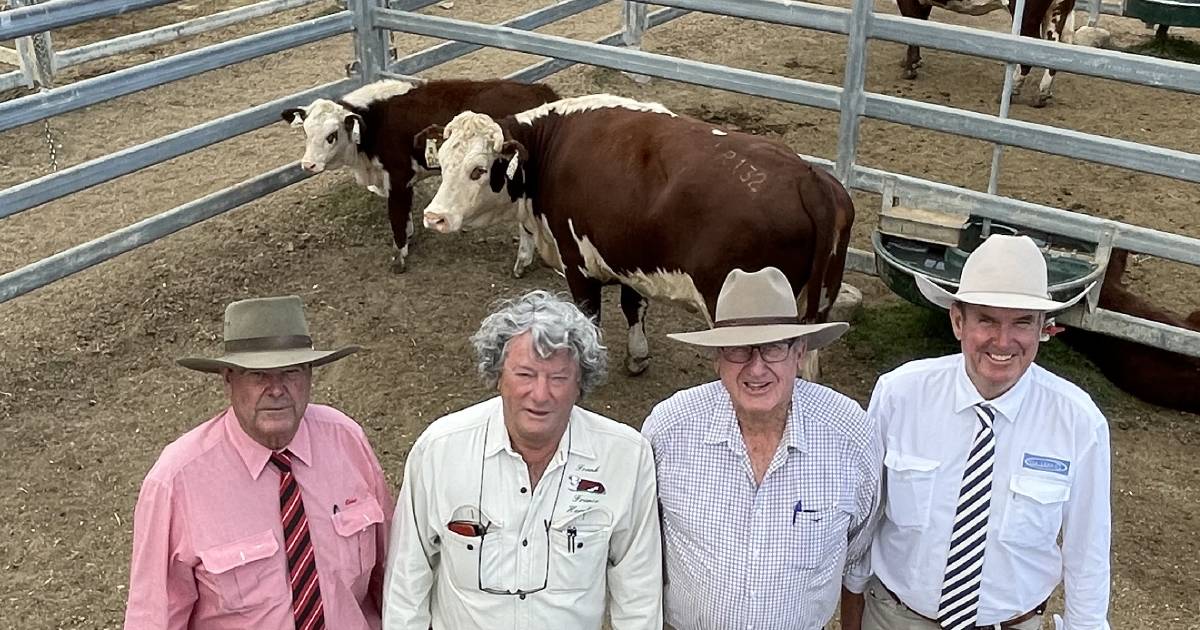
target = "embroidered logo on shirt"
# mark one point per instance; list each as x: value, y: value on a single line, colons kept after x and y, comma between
x: 351, y: 501
x: 579, y: 484
x: 1046, y: 464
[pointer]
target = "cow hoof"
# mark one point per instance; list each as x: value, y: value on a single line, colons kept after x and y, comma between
x: 1041, y: 100
x: 910, y: 72
x: 636, y: 366
x: 398, y: 265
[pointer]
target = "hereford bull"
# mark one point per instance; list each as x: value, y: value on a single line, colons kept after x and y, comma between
x: 619, y: 191
x: 1151, y: 374
x: 1053, y: 20
x: 370, y: 131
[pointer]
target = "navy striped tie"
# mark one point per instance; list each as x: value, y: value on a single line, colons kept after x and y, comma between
x: 307, y: 608
x: 958, y: 607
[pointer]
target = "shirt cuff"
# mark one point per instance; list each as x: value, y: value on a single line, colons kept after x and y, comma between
x: 857, y: 583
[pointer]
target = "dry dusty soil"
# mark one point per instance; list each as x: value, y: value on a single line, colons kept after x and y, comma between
x: 89, y: 394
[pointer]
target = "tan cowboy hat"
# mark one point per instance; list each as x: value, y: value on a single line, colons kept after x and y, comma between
x: 1005, y: 272
x: 756, y: 308
x: 266, y: 333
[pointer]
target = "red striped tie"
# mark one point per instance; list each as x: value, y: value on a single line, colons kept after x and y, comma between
x: 302, y: 564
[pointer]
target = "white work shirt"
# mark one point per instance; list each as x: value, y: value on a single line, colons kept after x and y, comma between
x: 771, y: 556
x: 1050, y: 474
x: 603, y: 535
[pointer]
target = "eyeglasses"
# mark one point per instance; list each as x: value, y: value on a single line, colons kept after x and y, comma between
x: 773, y: 352
x: 481, y: 530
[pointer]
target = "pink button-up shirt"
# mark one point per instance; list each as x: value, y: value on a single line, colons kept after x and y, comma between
x: 208, y: 543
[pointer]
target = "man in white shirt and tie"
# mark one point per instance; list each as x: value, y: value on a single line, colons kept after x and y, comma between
x: 988, y: 459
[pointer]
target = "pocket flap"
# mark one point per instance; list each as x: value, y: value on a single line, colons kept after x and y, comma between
x: 595, y: 519
x: 357, y: 517
x: 900, y: 461
x: 222, y: 558
x: 1042, y: 490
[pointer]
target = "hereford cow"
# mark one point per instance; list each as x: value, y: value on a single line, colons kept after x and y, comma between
x: 1053, y: 20
x: 1151, y: 374
x: 371, y: 129
x: 618, y: 191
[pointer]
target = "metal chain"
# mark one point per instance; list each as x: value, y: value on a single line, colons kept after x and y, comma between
x: 45, y: 75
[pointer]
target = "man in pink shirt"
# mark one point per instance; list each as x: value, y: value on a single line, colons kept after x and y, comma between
x: 274, y: 514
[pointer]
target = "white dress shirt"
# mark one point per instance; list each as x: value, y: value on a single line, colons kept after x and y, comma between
x: 1050, y: 475
x: 598, y: 495
x: 769, y: 556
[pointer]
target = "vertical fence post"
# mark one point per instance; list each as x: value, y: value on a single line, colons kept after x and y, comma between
x: 370, y: 43
x: 853, y: 98
x: 35, y: 54
x: 1005, y: 103
x: 633, y: 26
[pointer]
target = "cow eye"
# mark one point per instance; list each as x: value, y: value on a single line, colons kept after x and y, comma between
x: 331, y: 138
x: 478, y: 172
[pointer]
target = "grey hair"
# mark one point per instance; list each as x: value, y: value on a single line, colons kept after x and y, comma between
x: 555, y: 324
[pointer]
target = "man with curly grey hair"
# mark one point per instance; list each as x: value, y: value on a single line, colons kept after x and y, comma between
x: 525, y: 510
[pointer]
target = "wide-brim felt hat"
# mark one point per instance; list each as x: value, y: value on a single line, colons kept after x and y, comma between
x: 264, y: 334
x: 1005, y: 272
x: 759, y: 307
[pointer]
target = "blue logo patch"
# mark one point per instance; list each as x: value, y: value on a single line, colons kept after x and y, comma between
x: 1046, y: 464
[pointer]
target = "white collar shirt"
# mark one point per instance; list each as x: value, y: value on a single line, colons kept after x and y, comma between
x: 769, y: 556
x: 1050, y: 476
x: 598, y: 495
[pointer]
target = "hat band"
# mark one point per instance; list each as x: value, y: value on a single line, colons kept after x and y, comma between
x: 267, y: 344
x: 756, y: 321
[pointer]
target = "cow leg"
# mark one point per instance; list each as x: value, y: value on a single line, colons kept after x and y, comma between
x: 400, y: 216
x: 585, y: 291
x: 634, y: 306
x: 810, y: 369
x: 1057, y: 28
x: 912, y: 56
x: 526, y: 250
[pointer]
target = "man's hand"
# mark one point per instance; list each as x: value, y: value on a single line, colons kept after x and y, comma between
x: 852, y: 610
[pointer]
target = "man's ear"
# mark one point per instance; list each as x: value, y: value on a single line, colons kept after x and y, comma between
x: 294, y: 115
x: 508, y: 169
x: 425, y: 146
x: 354, y: 125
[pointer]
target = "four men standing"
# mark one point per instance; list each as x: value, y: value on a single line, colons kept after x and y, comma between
x: 944, y: 502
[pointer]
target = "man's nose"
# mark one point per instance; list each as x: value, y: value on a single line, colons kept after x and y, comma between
x: 541, y: 389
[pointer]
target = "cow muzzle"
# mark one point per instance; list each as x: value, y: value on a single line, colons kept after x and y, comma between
x: 312, y: 167
x: 443, y: 223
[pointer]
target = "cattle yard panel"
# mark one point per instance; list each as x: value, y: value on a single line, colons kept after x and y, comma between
x: 153, y: 37
x: 853, y: 102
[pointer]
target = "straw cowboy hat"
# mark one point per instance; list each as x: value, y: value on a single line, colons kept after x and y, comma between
x: 756, y: 308
x: 266, y: 333
x: 1005, y: 272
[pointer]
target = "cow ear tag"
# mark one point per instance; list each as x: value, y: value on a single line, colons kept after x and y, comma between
x: 355, y: 134
x: 512, y: 168
x: 431, y: 153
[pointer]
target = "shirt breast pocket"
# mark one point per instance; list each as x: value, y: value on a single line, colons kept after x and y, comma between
x: 246, y: 573
x: 355, y: 525
x: 909, y: 488
x: 1034, y: 512
x: 579, y: 550
x: 818, y: 537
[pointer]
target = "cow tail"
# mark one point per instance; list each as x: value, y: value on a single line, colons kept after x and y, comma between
x: 832, y: 212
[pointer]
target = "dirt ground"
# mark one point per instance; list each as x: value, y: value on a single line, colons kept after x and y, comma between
x: 89, y: 394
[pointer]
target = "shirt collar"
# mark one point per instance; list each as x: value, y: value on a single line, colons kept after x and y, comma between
x: 723, y: 424
x: 1007, y: 404
x: 255, y: 455
x: 576, y: 435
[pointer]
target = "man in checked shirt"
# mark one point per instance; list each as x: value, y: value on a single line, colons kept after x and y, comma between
x: 768, y: 484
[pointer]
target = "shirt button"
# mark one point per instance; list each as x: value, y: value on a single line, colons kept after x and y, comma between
x: 524, y: 490
x: 525, y: 543
x: 522, y: 596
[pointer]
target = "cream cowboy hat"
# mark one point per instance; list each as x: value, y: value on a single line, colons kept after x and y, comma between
x: 756, y: 308
x: 1005, y: 272
x: 266, y: 333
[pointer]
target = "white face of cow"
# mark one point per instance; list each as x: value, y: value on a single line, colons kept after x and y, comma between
x: 328, y: 143
x: 472, y: 143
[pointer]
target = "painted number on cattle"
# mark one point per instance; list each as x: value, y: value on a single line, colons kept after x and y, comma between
x: 746, y: 173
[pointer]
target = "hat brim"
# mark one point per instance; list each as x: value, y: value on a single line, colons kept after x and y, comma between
x: 268, y: 360
x: 815, y: 335
x: 944, y: 298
